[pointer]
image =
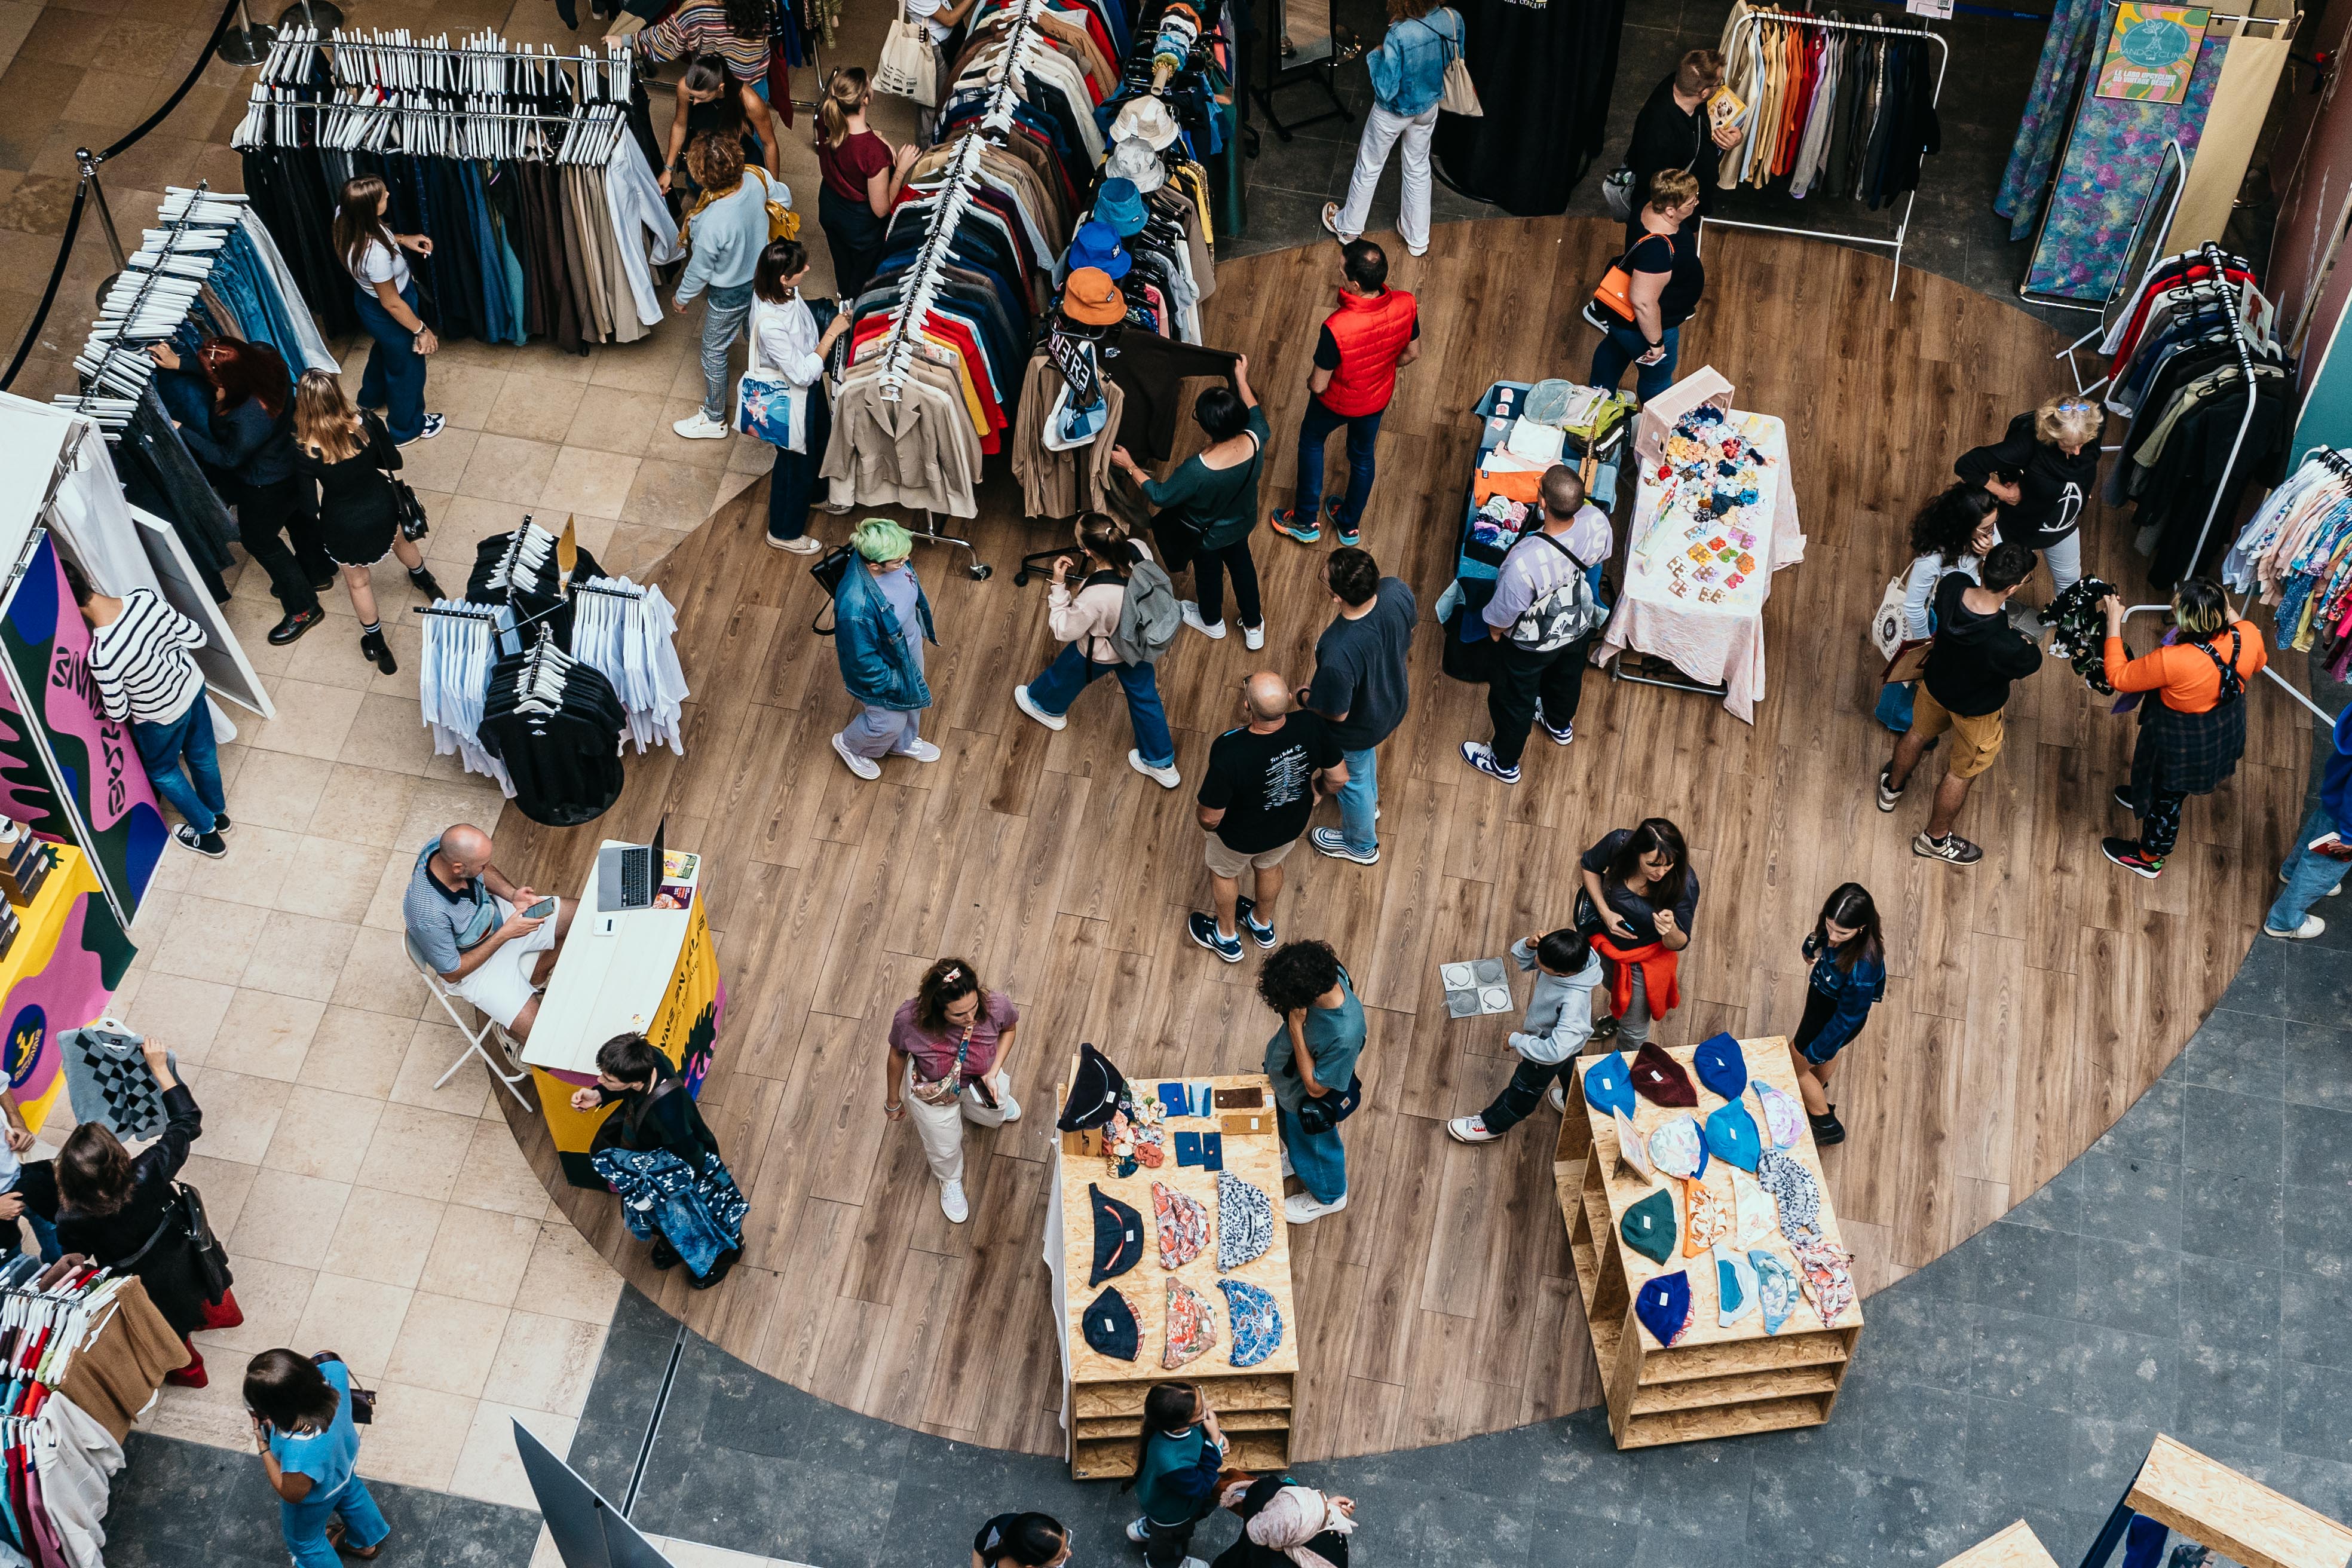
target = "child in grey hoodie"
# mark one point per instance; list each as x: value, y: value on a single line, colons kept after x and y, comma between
x: 1558, y: 1024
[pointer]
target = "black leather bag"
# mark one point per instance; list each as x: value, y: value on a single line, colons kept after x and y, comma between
x: 828, y: 571
x: 408, y: 512
x: 362, y: 1399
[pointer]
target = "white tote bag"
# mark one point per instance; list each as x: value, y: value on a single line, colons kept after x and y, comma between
x: 1461, y: 92
x: 909, y: 66
x: 1887, y: 627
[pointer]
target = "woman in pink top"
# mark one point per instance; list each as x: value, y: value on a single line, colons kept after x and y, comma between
x: 948, y: 1046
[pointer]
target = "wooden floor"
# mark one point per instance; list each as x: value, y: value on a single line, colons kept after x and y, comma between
x: 2032, y: 998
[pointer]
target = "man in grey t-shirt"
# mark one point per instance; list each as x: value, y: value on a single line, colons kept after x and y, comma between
x: 474, y: 927
x: 1359, y: 687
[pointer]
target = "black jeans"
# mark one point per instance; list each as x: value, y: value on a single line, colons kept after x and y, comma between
x: 793, y: 482
x: 1520, y: 679
x: 262, y: 511
x: 1209, y: 569
x: 854, y: 237
x: 1167, y: 1545
x: 1523, y: 1093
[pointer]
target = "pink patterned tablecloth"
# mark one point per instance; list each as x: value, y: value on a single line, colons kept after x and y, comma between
x: 1721, y: 644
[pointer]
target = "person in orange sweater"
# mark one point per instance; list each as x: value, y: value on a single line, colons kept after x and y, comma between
x: 2192, y: 723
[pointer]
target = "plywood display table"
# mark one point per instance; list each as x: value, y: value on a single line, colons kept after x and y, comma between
x: 2016, y: 1547
x: 1103, y: 1403
x: 1715, y: 1381
x: 2243, y: 1519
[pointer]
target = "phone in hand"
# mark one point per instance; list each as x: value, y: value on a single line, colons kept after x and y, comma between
x: 539, y: 910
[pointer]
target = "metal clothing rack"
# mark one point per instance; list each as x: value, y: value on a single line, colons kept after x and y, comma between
x: 1913, y: 35
x: 589, y: 130
x: 113, y: 367
x: 2218, y: 261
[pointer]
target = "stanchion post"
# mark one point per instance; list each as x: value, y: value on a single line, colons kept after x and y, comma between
x: 321, y: 16
x: 247, y: 43
x: 90, y: 162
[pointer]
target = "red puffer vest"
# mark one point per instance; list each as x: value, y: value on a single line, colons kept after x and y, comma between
x: 1371, y: 330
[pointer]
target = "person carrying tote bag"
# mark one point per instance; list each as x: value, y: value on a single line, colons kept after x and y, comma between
x: 1953, y: 532
x: 1417, y: 71
x: 780, y: 398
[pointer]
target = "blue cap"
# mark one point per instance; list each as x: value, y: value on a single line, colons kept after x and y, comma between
x: 1120, y: 205
x: 1663, y: 1306
x: 1721, y: 1067
x: 1096, y: 245
x: 1731, y: 1136
x: 1606, y: 1088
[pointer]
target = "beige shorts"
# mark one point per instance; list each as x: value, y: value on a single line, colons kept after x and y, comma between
x: 1230, y: 863
x: 1976, y: 739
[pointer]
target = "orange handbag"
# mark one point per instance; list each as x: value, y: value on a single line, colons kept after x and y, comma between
x: 1615, y: 295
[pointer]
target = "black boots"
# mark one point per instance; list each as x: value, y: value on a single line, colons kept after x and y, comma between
x: 296, y: 623
x: 373, y: 647
x: 421, y: 580
x: 1827, y: 1129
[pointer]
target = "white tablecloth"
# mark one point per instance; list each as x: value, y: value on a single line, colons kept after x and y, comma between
x: 1713, y: 643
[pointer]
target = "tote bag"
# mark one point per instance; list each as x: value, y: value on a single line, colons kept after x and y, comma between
x: 1886, y: 625
x: 767, y: 405
x: 909, y: 65
x: 1461, y: 92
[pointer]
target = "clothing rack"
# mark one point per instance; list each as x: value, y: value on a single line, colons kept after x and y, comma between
x: 2218, y: 262
x: 481, y: 63
x: 1912, y: 35
x: 107, y: 364
x: 590, y: 130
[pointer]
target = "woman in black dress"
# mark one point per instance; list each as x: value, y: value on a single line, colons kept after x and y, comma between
x: 350, y: 453
x: 123, y: 1213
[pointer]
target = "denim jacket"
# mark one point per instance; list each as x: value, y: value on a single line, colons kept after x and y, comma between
x: 1409, y: 68
x: 1855, y: 992
x: 876, y: 664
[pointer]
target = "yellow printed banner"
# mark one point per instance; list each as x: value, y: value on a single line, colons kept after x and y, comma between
x: 2152, y: 52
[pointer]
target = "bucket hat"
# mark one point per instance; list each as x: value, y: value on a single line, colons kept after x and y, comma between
x: 1093, y: 299
x: 1110, y: 1328
x: 1096, y: 245
x: 1120, y: 205
x: 1146, y: 120
x: 1138, y: 164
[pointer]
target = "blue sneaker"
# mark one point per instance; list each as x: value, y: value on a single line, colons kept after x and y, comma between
x: 1351, y: 533
x: 1285, y: 523
x: 1203, y: 928
x: 1244, y: 908
x: 1480, y: 755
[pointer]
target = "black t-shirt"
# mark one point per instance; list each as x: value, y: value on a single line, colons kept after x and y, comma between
x: 1264, y: 783
x: 989, y: 1542
x: 1676, y: 255
x: 2052, y: 486
x: 1640, y: 910
x: 1360, y: 668
x: 1975, y: 657
x: 1326, y: 347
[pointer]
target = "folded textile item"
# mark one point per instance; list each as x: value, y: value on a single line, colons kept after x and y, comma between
x: 1109, y: 1326
x: 1828, y: 1283
x: 1659, y: 1078
x: 1648, y: 1227
x: 1094, y: 1092
x: 1731, y: 1135
x: 1678, y: 1148
x: 1720, y: 1066
x: 1244, y: 1222
x: 1794, y: 1190
x: 1192, y: 1326
x: 1709, y: 1214
x: 1776, y: 1288
x: 1606, y: 1086
x: 1754, y: 1217
x: 1118, y: 1237
x: 1184, y: 1225
x: 1663, y: 1305
x: 1257, y: 1321
x: 1783, y: 1118
x: 1736, y: 1286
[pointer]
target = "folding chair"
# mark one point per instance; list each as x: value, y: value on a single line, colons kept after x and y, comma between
x: 475, y: 1037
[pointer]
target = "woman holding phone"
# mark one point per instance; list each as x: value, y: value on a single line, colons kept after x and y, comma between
x: 1640, y: 897
x: 301, y: 1411
x: 949, y: 1043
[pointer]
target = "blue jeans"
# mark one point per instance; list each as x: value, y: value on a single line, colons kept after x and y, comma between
x: 1363, y: 430
x: 1622, y: 347
x: 2308, y: 876
x: 724, y: 310
x: 1319, y: 1157
x: 304, y: 1524
x: 396, y: 371
x: 195, y: 793
x: 1068, y: 675
x: 1360, y: 797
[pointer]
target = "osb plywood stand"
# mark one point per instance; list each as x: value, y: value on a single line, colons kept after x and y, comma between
x: 2016, y: 1547
x: 2215, y: 1506
x: 1715, y: 1381
x: 1254, y: 1405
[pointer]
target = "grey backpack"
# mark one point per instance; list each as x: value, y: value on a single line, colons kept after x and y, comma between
x: 1148, y: 616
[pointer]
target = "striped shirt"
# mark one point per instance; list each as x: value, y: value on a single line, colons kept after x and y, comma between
x: 140, y: 663
x: 699, y: 27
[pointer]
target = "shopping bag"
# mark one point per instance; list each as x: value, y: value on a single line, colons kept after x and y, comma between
x: 909, y: 65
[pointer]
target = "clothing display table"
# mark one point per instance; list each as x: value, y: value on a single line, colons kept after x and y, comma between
x: 2205, y: 1501
x: 2016, y: 1547
x: 1696, y: 576
x: 1102, y: 1405
x: 51, y: 979
x: 1714, y: 1380
x: 651, y: 971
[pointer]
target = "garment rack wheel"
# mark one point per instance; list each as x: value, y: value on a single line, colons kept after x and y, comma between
x: 1038, y: 563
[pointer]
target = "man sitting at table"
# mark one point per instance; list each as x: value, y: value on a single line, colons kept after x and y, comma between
x: 474, y: 928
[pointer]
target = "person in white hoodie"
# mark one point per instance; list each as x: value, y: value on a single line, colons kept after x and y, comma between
x: 1558, y: 1024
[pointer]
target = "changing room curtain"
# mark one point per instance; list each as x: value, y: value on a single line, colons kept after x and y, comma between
x: 1543, y: 74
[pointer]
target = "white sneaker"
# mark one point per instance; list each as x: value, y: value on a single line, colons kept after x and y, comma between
x: 807, y: 544
x: 1287, y: 1168
x: 1557, y: 1096
x: 2311, y: 926
x: 1253, y: 637
x: 1166, y: 778
x: 864, y: 767
x: 1011, y: 1105
x: 1022, y: 700
x: 1470, y: 1129
x: 952, y: 1203
x: 2329, y: 894
x: 701, y: 428
x: 1139, y: 1532
x: 1304, y: 1208
x: 922, y: 751
x: 1191, y: 610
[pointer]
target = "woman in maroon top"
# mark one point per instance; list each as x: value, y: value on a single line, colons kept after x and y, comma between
x: 949, y: 1047
x: 862, y: 179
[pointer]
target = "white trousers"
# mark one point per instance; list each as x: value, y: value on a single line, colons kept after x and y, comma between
x: 941, y: 1126
x: 1381, y: 129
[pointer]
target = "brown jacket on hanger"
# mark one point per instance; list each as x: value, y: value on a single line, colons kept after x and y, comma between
x: 1060, y: 484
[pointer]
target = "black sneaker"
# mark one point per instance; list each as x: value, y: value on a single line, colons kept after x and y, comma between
x: 1827, y: 1129
x: 1204, y: 929
x: 1261, y: 935
x: 1952, y: 849
x: 424, y: 584
x: 373, y: 648
x: 205, y: 844
x: 221, y: 824
x: 2127, y: 853
x: 2123, y: 798
x: 294, y: 625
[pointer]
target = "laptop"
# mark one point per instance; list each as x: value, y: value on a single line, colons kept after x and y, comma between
x: 626, y: 875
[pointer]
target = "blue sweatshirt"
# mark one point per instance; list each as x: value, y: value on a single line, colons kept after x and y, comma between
x: 725, y: 238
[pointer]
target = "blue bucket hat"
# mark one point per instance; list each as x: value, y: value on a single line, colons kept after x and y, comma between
x: 1664, y: 1307
x: 1731, y: 1136
x: 1736, y: 1286
x: 1257, y: 1322
x: 1110, y: 1326
x: 1120, y: 205
x: 1096, y: 245
x: 1606, y: 1088
x: 1720, y: 1066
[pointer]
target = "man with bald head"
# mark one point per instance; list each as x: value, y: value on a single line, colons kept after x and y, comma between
x: 1261, y: 787
x: 476, y: 931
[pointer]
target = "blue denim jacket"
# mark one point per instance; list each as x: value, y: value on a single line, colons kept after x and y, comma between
x: 1855, y: 992
x: 1409, y: 68
x: 876, y: 664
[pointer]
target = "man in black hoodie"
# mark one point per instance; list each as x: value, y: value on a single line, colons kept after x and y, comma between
x: 1965, y: 686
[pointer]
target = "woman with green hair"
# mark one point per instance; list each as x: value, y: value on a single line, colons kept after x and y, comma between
x: 881, y: 621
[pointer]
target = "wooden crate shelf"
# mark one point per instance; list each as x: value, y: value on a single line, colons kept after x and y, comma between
x: 1718, y: 1381
x: 1254, y: 1406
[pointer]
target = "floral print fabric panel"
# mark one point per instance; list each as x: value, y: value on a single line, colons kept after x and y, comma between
x: 2066, y: 56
